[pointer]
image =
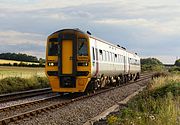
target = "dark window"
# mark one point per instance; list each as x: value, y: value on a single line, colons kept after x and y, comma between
x: 93, y: 53
x: 82, y: 47
x: 116, y: 55
x: 100, y: 51
x: 53, y: 49
x: 96, y: 54
x: 53, y: 40
x: 100, y: 55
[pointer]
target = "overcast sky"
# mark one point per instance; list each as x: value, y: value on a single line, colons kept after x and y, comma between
x: 149, y: 27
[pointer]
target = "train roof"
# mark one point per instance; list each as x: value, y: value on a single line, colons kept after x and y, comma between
x: 122, y: 48
x: 76, y: 30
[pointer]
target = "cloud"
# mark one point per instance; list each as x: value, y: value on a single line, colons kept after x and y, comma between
x: 28, y: 48
x: 30, y: 5
x: 11, y: 37
x: 166, y: 28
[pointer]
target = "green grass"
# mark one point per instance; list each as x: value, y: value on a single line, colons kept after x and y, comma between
x: 13, y: 84
x: 23, y: 72
x: 158, y: 105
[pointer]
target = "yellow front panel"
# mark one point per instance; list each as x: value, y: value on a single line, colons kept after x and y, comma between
x: 67, y: 57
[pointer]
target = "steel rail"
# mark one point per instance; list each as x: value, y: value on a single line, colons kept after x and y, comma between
x: 27, y: 103
x: 23, y: 94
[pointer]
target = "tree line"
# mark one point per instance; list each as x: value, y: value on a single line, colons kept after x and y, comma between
x: 153, y: 64
x: 21, y: 57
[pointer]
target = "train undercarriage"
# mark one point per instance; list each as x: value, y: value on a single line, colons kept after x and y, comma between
x: 107, y: 81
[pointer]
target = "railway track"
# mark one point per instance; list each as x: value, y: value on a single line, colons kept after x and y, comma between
x: 23, y: 94
x: 54, y: 105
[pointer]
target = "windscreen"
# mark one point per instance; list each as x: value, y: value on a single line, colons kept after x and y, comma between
x: 82, y: 47
x: 53, y: 49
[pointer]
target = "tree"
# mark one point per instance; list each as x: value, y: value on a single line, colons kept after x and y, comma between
x: 151, y: 61
x: 151, y: 64
x: 177, y: 62
x: 18, y: 57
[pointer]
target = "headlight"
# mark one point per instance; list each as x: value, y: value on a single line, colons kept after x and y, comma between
x: 50, y: 64
x: 82, y: 63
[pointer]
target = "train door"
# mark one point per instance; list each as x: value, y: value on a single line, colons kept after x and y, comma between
x: 67, y: 53
x: 126, y: 63
x: 95, y: 59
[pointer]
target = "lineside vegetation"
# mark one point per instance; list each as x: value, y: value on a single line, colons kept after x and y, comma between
x: 158, y: 105
x: 14, y: 84
x: 151, y: 64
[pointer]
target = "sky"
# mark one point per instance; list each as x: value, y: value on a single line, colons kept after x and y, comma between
x: 149, y: 27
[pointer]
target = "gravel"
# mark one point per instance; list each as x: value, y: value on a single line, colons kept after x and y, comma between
x: 79, y: 112
x: 14, y: 111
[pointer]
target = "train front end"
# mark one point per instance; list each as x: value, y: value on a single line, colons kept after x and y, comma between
x: 68, y: 65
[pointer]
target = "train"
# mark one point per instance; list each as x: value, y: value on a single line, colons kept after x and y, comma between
x: 77, y: 62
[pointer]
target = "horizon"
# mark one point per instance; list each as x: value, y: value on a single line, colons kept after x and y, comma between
x: 140, y: 58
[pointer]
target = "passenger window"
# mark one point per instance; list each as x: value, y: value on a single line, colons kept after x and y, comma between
x: 111, y: 57
x: 115, y: 57
x: 93, y: 53
x: 97, y: 54
x: 100, y: 51
x: 104, y: 55
x: 108, y: 56
x: 100, y: 54
x: 118, y: 59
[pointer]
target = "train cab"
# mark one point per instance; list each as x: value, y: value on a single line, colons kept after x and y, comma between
x: 68, y: 64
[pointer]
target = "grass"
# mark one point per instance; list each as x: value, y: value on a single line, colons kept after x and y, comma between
x: 158, y: 105
x: 23, y: 72
x: 13, y: 84
x: 14, y: 79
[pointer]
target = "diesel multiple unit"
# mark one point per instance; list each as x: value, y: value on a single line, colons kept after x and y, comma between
x: 79, y: 62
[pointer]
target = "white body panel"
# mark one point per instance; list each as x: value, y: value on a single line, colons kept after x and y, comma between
x: 111, y: 60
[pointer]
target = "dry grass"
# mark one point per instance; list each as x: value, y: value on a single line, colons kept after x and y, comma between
x: 23, y: 72
x: 2, y: 61
x: 163, y: 81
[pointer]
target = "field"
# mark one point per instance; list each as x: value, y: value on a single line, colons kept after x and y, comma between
x: 2, y: 61
x: 23, y: 72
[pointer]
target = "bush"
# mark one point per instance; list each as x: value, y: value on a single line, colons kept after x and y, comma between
x: 177, y: 62
x: 14, y: 84
x: 151, y: 64
x: 174, y: 69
